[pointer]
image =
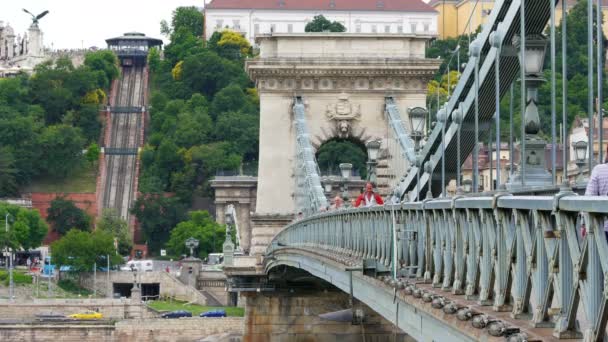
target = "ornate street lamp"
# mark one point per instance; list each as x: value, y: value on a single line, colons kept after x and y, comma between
x: 345, y: 171
x: 327, y: 186
x: 192, y: 243
x: 580, y: 153
x: 228, y: 246
x: 417, y: 117
x: 467, y: 184
x: 373, y: 148
x: 532, y: 170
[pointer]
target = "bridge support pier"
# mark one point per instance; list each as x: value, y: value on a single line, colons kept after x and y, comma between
x: 294, y: 316
x: 264, y: 228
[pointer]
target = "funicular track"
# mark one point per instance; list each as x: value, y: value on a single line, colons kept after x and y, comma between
x: 118, y: 187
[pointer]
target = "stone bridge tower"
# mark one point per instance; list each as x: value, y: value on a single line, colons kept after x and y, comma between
x: 343, y: 80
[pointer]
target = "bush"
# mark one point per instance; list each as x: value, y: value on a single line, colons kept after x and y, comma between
x: 18, y: 278
x: 69, y: 285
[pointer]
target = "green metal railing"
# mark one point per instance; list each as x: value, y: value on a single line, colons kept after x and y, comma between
x: 526, y: 254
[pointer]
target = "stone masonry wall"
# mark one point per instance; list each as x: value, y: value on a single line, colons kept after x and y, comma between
x: 169, y: 285
x: 157, y: 330
x: 110, y: 308
x: 294, y: 317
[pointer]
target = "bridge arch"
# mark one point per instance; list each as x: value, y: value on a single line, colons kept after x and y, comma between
x: 331, y: 152
x: 421, y: 324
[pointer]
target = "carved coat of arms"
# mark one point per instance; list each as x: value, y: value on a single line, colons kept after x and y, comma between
x: 342, y: 114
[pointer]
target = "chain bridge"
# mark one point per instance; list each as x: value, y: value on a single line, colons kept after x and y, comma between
x: 526, y: 262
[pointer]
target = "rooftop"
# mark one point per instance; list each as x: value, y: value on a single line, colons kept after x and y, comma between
x: 325, y: 5
x: 133, y: 36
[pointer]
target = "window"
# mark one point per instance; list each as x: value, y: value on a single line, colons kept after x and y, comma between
x: 236, y: 24
x: 290, y: 28
x: 219, y: 23
x: 400, y: 28
x: 387, y: 29
x: 256, y: 28
x: 426, y: 27
x: 374, y: 29
x: 358, y: 28
x: 413, y: 27
x: 273, y: 28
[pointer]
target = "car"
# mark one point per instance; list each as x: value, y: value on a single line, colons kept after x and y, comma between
x: 176, y: 314
x: 87, y: 315
x: 214, y: 313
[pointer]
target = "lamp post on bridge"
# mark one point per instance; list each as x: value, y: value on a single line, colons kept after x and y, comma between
x: 373, y: 148
x: 532, y: 170
x: 228, y: 247
x: 580, y: 152
x: 417, y: 117
x: 345, y: 171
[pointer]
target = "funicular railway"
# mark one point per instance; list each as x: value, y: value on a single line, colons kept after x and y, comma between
x: 126, y: 120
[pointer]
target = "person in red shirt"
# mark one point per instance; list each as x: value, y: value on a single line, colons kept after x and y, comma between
x: 369, y: 198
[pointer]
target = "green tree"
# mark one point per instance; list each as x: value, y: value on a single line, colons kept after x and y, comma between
x: 111, y: 223
x: 202, y: 227
x: 207, y: 73
x: 82, y: 250
x: 241, y: 131
x: 64, y: 215
x: 8, y: 173
x: 105, y: 61
x: 157, y: 215
x: 87, y: 119
x: 154, y: 60
x: 27, y: 228
x: 445, y: 49
x: 230, y: 98
x: 322, y: 24
x: 334, y: 152
x: 193, y: 128
x: 92, y: 154
x: 61, y: 147
x: 230, y: 44
x: 189, y: 18
x: 210, y: 158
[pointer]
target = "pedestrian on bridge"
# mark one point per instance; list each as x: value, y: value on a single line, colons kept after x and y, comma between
x: 598, y: 186
x: 338, y: 202
x: 369, y: 198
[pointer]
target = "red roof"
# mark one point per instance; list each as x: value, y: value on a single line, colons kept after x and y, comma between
x: 324, y: 5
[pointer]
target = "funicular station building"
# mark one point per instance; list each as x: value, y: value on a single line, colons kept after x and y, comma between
x: 132, y: 48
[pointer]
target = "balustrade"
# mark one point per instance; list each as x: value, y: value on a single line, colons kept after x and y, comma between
x: 526, y: 254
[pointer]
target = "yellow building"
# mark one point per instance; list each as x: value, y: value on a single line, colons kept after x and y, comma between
x: 457, y: 17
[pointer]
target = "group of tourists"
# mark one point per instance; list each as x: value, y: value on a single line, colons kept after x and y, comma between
x: 367, y: 198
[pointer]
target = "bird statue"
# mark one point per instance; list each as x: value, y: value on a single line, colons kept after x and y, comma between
x: 36, y: 18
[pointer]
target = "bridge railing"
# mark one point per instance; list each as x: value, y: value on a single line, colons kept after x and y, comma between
x: 542, y: 257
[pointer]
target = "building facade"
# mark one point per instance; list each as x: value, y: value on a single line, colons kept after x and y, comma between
x: 256, y: 17
x: 457, y: 17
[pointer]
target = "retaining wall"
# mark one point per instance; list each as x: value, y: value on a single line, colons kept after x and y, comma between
x: 157, y: 330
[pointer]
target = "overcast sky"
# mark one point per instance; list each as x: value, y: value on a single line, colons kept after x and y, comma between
x: 78, y: 23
